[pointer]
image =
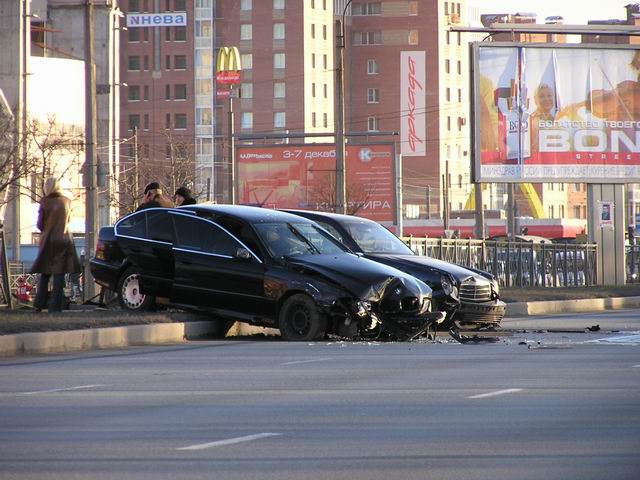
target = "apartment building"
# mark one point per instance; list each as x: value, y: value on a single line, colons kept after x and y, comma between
x: 381, y: 34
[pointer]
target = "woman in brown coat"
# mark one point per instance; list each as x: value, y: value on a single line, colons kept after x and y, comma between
x: 57, y: 254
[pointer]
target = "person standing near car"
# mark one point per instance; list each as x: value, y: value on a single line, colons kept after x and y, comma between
x: 153, y: 197
x: 183, y: 197
x: 57, y: 253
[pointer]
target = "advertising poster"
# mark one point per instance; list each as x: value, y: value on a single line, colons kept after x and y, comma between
x: 413, y: 122
x: 605, y: 211
x: 552, y: 113
x: 304, y: 177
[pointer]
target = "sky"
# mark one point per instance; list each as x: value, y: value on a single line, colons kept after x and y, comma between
x: 575, y: 12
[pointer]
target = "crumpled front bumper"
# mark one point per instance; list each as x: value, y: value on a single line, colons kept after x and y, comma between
x: 408, y: 327
x: 489, y: 313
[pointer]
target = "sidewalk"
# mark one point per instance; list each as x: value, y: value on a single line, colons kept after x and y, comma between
x: 168, y: 331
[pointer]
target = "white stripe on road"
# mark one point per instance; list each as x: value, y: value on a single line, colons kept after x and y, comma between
x: 307, y: 361
x: 495, y: 394
x: 633, y: 340
x: 636, y: 366
x: 229, y: 441
x: 81, y: 387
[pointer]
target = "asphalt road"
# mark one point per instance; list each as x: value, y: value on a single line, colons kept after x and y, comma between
x: 534, y: 405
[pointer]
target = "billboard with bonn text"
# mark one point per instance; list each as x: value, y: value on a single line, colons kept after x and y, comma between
x: 304, y: 176
x: 552, y: 113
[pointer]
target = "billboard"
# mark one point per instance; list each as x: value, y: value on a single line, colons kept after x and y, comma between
x: 304, y: 176
x: 556, y: 113
x: 413, y: 118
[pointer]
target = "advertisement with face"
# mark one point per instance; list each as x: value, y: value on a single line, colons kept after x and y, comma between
x: 305, y: 177
x: 551, y: 113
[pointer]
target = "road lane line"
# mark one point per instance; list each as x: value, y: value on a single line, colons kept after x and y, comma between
x: 307, y: 361
x: 229, y: 441
x: 636, y: 366
x: 494, y: 394
x: 55, y: 390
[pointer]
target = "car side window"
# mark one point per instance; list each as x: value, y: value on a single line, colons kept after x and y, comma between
x: 160, y: 226
x: 243, y: 232
x: 200, y: 235
x: 331, y: 229
x: 133, y: 226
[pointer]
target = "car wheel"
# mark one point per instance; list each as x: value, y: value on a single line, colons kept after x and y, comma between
x: 300, y: 319
x: 129, y: 294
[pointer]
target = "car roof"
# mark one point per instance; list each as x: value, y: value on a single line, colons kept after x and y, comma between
x: 245, y: 212
x: 335, y: 216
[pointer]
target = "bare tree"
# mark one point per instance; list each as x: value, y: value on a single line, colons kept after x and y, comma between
x: 322, y: 194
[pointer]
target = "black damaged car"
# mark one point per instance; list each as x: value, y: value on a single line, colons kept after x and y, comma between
x: 470, y: 297
x: 259, y: 266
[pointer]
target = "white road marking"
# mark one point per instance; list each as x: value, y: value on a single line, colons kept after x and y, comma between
x: 494, y: 394
x: 307, y: 361
x: 632, y: 339
x: 636, y: 366
x: 55, y: 390
x: 229, y: 441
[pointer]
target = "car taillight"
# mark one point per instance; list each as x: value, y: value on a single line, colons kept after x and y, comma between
x: 100, y: 254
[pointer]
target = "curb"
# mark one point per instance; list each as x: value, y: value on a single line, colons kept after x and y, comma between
x: 524, y: 309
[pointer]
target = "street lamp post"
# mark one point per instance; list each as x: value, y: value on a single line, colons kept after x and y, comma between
x: 341, y: 197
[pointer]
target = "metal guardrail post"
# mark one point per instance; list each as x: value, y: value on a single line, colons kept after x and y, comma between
x: 555, y: 265
x: 508, y: 272
x: 565, y: 270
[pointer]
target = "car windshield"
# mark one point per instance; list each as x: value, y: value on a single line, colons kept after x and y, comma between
x: 293, y: 239
x: 372, y: 237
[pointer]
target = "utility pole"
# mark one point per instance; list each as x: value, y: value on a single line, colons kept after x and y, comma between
x: 399, y: 209
x: 232, y: 151
x: 91, y: 193
x: 477, y: 191
x: 428, y: 202
x: 136, y: 171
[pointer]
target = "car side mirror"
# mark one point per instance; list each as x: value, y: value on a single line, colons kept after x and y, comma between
x: 243, y: 255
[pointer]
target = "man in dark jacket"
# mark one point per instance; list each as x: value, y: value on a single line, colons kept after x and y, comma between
x: 153, y: 197
x: 183, y: 197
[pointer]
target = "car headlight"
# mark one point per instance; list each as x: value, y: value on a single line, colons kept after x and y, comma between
x: 447, y: 286
x: 495, y: 286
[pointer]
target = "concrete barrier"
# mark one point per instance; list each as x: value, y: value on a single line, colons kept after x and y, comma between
x: 524, y: 309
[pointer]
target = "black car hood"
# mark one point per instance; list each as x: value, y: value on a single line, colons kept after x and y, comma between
x: 414, y: 261
x: 363, y: 278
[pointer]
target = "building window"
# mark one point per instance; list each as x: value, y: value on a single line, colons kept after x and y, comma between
x: 447, y: 66
x: 279, y: 90
x: 324, y: 4
x: 561, y: 207
x: 325, y: 88
x: 246, y: 60
x: 313, y: 60
x: 448, y: 37
x: 278, y: 31
x: 180, y: 62
x: 576, y: 212
x: 324, y: 32
x: 134, y: 63
x: 203, y: 28
x: 313, y: 30
x: 167, y: 92
x: 168, y: 35
x: 134, y: 6
x: 134, y: 122
x: 167, y: 63
x: 179, y: 6
x: 449, y: 123
x: 372, y: 67
x: 459, y: 95
x: 373, y: 124
x: 313, y: 119
x: 367, y: 38
x: 413, y: 38
x: 245, y: 5
x: 325, y: 120
x: 413, y: 8
x: 459, y: 67
x: 278, y: 60
x: 180, y: 91
x: 448, y: 94
x: 313, y: 90
x: 246, y: 90
x: 325, y: 61
x: 203, y: 116
x: 279, y: 119
x: 203, y: 87
x: 460, y: 184
x: 134, y: 93
x: 180, y: 34
x: 313, y: 4
x: 146, y: 92
x: 246, y: 31
x: 180, y: 120
x: 278, y: 4
x: 145, y: 34
x: 371, y: 8
x: 576, y: 187
x: 146, y: 121
x: 167, y: 121
x: 373, y: 95
x: 146, y: 63
x: 551, y: 211
x: 247, y: 120
x: 133, y: 34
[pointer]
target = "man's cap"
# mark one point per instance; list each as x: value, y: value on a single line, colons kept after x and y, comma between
x: 152, y: 186
x: 183, y: 192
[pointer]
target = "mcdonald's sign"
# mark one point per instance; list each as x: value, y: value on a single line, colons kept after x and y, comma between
x: 228, y: 66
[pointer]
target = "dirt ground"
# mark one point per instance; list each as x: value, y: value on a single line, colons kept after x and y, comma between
x: 80, y: 317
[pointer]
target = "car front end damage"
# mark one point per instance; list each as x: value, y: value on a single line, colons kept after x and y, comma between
x: 394, y: 309
x: 480, y: 304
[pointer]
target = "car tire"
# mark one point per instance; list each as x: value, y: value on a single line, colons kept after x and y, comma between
x: 129, y: 294
x: 300, y: 320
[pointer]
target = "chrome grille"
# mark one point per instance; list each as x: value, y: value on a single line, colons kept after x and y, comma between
x: 474, y: 291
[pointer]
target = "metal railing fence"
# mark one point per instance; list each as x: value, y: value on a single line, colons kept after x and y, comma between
x: 517, y: 264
